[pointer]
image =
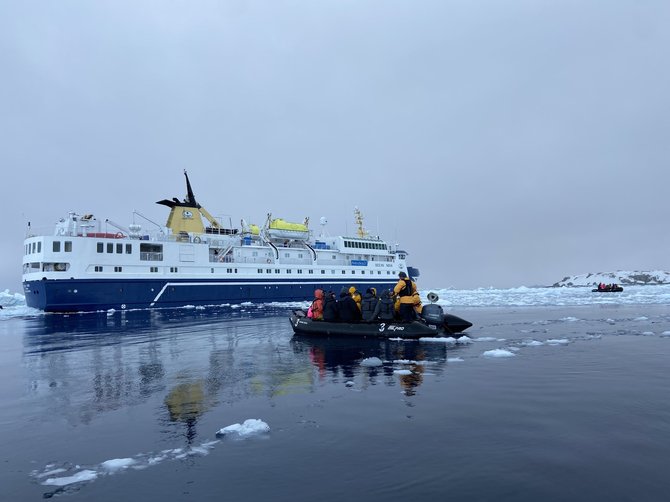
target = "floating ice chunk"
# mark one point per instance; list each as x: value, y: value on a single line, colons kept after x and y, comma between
x: 81, y: 476
x: 455, y: 359
x: 371, y: 361
x: 532, y: 343
x: 349, y: 383
x: 498, y: 353
x: 50, y: 473
x: 117, y: 464
x: 404, y: 361
x: 439, y: 339
x: 641, y: 318
x: 486, y: 339
x: 558, y: 341
x: 514, y: 349
x: 569, y: 319
x: 402, y: 372
x: 249, y: 427
x: 665, y: 333
x: 464, y: 340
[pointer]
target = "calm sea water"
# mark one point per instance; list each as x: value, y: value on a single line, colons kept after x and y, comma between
x: 575, y: 407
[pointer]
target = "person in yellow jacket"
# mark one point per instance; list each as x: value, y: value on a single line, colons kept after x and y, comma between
x: 356, y: 295
x: 404, y: 291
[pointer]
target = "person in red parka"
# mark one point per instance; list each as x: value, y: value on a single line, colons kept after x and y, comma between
x: 317, y: 305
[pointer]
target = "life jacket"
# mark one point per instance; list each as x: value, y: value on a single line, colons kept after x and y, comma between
x: 407, y: 290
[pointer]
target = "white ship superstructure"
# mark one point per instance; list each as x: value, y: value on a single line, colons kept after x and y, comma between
x: 89, y: 264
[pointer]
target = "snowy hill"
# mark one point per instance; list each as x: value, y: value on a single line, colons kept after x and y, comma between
x: 620, y: 277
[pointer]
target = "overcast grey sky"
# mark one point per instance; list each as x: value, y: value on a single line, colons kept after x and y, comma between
x: 502, y: 143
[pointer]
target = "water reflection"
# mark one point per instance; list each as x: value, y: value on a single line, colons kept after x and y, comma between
x: 338, y: 359
x: 188, y: 362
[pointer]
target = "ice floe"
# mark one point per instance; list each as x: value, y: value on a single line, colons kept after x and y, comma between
x: 371, y: 362
x: 249, y: 427
x: 69, y: 474
x: 558, y: 341
x: 498, y: 353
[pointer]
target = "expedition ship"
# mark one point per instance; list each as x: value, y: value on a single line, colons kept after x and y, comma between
x: 196, y: 260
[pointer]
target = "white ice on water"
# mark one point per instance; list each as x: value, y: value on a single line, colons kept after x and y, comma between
x: 249, y: 427
x: 371, y: 362
x: 498, y: 353
x: 77, y: 474
x: 14, y: 304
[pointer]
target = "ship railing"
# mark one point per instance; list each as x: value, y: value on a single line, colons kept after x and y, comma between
x: 151, y: 256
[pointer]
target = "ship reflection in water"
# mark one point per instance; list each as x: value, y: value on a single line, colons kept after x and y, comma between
x: 195, y: 360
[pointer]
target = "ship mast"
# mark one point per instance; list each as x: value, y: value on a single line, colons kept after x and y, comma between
x: 360, y: 231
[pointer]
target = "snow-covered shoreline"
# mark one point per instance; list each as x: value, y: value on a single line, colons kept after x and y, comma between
x: 623, y: 277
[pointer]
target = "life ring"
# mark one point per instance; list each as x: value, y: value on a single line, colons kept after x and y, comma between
x: 269, y: 260
x: 196, y: 240
x: 118, y: 235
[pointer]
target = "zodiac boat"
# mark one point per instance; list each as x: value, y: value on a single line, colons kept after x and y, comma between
x: 433, y: 322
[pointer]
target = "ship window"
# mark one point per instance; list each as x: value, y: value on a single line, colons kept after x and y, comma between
x: 56, y: 247
x: 98, y: 268
x: 332, y: 271
x: 174, y: 269
x: 260, y: 270
x: 379, y: 272
x: 353, y: 271
x: 363, y: 272
x: 323, y: 271
x: 288, y: 270
x: 212, y: 270
x: 334, y: 257
x: 151, y: 252
x: 343, y: 272
x: 287, y: 255
x: 110, y: 247
x: 100, y: 247
x: 268, y: 270
x: 119, y: 248
x: 229, y: 270
x: 310, y: 271
x: 299, y: 255
x: 33, y: 247
x: 276, y: 271
x: 129, y: 249
x: 300, y: 271
x: 118, y: 269
x: 68, y: 246
x: 153, y: 269
x: 235, y: 270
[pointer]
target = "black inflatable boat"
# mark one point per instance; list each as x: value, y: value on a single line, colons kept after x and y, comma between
x: 433, y: 323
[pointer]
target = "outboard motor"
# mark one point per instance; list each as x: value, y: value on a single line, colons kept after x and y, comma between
x: 433, y: 313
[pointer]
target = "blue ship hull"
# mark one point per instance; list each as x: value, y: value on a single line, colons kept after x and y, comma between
x: 85, y: 295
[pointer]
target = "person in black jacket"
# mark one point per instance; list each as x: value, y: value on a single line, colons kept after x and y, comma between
x: 385, y: 309
x: 368, y: 304
x: 330, y: 307
x: 347, y: 308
